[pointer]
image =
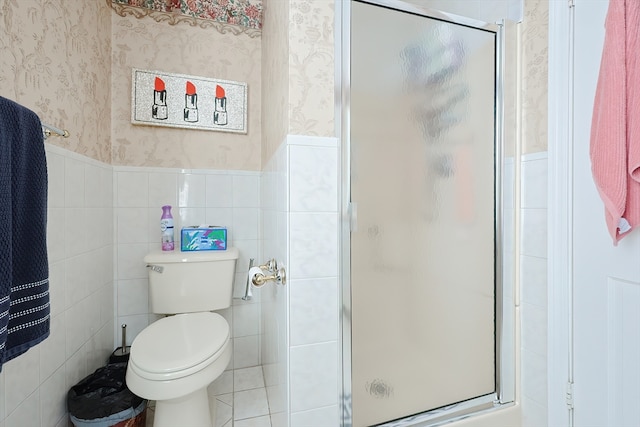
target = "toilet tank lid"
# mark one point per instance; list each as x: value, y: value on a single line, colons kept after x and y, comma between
x: 165, y: 257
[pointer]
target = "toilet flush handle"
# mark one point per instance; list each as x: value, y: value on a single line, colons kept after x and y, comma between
x: 156, y: 268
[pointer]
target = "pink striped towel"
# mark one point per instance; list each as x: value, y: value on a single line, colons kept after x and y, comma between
x: 615, y: 128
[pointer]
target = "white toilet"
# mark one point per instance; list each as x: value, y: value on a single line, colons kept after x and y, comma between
x: 174, y: 359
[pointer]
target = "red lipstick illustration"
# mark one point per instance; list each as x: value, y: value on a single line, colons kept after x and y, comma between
x: 220, y: 113
x: 190, y: 103
x: 159, y: 109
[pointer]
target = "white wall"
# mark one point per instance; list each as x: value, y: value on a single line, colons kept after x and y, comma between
x: 313, y: 280
x: 533, y: 288
x: 101, y: 222
x: 33, y: 387
x: 273, y: 299
x: 300, y: 320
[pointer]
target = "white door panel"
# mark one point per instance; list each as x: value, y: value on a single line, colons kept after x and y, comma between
x: 623, y: 329
x: 606, y: 279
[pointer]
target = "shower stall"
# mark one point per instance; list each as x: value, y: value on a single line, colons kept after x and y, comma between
x: 428, y: 137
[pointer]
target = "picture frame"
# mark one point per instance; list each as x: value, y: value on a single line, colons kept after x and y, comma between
x: 191, y: 102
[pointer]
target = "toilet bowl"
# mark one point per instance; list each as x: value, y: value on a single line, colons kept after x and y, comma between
x: 174, y: 360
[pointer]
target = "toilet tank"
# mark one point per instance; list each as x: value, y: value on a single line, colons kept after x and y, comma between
x: 185, y: 282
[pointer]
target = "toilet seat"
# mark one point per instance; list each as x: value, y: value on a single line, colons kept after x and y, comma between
x: 178, y: 346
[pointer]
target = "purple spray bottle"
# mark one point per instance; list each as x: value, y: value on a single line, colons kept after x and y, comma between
x: 166, y: 226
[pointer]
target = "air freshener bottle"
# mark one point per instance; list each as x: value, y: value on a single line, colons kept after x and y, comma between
x: 166, y: 227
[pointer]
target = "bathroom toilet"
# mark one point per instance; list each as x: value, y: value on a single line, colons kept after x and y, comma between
x: 174, y: 359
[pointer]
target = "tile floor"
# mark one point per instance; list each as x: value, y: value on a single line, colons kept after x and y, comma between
x: 240, y: 397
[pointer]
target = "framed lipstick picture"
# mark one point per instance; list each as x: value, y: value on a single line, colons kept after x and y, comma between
x: 191, y: 102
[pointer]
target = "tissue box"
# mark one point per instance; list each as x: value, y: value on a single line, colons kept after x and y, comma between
x: 209, y: 238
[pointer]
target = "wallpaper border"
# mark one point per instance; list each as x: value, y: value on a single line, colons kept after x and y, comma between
x: 172, y: 18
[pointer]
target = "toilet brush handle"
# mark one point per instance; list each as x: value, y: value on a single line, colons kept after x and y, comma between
x: 124, y: 336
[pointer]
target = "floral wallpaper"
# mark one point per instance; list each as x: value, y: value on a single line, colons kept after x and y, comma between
x: 193, y: 50
x: 247, y: 13
x: 311, y: 67
x: 275, y: 77
x: 298, y: 71
x: 535, y: 54
x: 56, y: 60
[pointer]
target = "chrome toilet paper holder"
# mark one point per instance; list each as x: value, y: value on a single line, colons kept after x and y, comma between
x: 279, y: 276
x: 271, y: 266
x: 260, y: 278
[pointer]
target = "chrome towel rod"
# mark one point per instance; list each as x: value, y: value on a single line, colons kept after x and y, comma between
x: 49, y: 130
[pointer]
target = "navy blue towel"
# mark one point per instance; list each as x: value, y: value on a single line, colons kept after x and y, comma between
x: 24, y: 268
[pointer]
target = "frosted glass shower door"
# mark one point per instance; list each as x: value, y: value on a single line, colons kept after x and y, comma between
x: 422, y: 258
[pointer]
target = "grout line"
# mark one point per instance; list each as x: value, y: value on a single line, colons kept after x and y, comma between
x: 233, y: 396
x: 264, y: 381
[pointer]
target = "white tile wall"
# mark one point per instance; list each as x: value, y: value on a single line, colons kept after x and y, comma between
x: 314, y: 376
x: 274, y: 300
x: 27, y: 413
x: 313, y: 244
x: 533, y: 286
x: 314, y: 306
x: 327, y: 416
x: 225, y: 198
x: 313, y: 269
x: 101, y: 222
x: 51, y: 407
x: 300, y: 321
x: 314, y: 172
x: 33, y: 387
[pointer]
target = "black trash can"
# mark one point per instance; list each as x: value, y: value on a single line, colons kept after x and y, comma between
x: 102, y: 399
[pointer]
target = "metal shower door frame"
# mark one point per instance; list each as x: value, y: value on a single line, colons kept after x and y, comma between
x: 505, y: 370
